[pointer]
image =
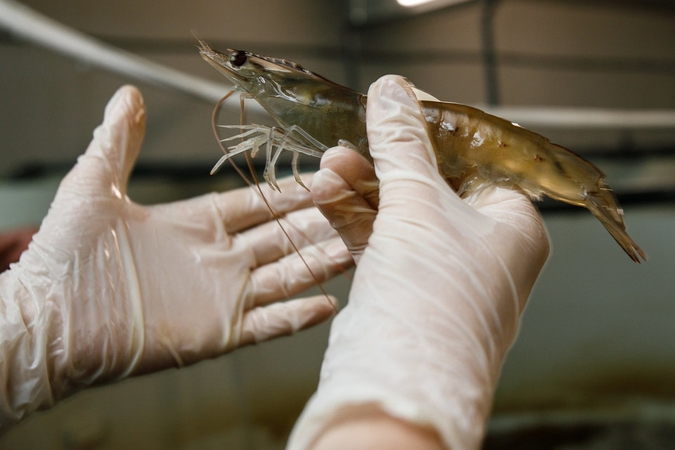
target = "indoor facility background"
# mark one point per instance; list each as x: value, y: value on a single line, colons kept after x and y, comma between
x: 594, y: 364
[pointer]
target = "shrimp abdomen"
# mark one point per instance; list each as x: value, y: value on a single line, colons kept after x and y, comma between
x: 469, y: 141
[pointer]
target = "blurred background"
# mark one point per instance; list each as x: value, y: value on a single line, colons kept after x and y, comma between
x: 594, y: 364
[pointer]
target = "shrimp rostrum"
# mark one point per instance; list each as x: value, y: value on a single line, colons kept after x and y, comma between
x: 472, y: 147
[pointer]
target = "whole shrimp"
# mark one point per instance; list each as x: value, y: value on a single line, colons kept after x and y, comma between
x: 471, y: 146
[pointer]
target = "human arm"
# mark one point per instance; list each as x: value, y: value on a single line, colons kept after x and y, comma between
x: 109, y: 288
x: 436, y: 298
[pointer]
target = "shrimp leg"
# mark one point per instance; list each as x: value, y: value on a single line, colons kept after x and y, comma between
x: 290, y: 142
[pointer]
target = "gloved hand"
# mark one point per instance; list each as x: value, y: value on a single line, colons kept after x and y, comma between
x: 437, y: 295
x: 109, y: 288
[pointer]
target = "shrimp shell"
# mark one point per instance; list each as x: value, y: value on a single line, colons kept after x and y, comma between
x: 471, y: 146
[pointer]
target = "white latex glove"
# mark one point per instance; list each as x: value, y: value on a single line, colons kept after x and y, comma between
x: 109, y: 288
x: 437, y: 295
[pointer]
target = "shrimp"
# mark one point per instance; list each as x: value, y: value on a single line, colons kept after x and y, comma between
x: 471, y: 146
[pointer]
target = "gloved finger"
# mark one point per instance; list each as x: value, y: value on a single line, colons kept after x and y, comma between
x: 285, y: 318
x: 355, y: 170
x: 273, y: 240
x: 295, y: 273
x: 243, y: 208
x: 112, y: 153
x: 397, y: 132
x: 512, y: 207
x: 347, y: 193
x: 505, y: 205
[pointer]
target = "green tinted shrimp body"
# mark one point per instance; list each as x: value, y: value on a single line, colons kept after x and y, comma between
x: 472, y: 147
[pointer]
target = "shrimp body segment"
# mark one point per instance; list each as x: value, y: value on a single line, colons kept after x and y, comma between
x: 471, y: 146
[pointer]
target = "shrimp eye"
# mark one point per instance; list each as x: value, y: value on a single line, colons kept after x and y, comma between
x: 237, y: 58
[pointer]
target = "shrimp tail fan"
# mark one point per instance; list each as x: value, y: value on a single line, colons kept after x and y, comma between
x: 604, y: 206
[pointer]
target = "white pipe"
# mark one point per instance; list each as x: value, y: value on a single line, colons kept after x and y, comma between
x: 27, y: 24
x: 562, y: 118
x: 34, y: 27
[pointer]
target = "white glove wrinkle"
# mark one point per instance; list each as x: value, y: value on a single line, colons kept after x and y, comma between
x: 126, y: 261
x: 23, y: 341
x: 405, y: 311
x: 455, y: 258
x: 220, y: 221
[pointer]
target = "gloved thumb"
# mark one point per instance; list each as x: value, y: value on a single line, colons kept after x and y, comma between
x: 112, y: 153
x: 397, y: 132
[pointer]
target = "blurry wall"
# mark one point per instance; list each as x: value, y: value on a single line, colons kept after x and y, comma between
x: 51, y: 104
x: 595, y: 318
x: 561, y: 53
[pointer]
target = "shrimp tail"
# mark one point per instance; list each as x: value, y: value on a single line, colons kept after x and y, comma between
x: 604, y: 207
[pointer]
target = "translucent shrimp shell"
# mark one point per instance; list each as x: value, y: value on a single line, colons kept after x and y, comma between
x: 472, y: 147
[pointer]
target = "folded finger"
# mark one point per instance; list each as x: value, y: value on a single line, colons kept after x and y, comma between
x: 348, y: 212
x: 275, y: 239
x: 282, y: 319
x: 354, y: 169
x: 296, y: 272
x: 243, y: 208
